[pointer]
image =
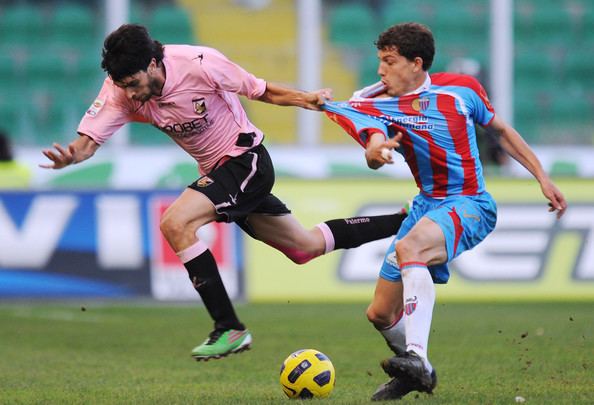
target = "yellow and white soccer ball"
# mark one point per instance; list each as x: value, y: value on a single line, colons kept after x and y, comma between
x: 307, y: 373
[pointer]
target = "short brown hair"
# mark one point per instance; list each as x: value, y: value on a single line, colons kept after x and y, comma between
x: 410, y: 40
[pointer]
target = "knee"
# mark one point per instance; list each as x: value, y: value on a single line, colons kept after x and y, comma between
x: 405, y: 250
x: 171, y: 225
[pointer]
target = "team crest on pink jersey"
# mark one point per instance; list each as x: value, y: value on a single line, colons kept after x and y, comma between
x: 411, y: 305
x: 420, y: 104
x: 204, y: 181
x: 199, y: 105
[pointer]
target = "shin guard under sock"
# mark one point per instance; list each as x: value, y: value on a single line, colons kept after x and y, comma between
x: 205, y: 277
x: 395, y: 335
x: 419, y: 298
x: 353, y: 232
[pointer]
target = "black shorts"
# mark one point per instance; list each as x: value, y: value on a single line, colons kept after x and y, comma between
x: 241, y: 186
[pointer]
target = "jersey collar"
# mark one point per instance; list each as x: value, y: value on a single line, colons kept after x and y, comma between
x: 424, y: 87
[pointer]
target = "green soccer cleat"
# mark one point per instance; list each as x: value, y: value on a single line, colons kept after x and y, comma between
x: 221, y: 343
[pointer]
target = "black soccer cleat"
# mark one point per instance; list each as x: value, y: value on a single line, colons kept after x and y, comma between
x: 410, y: 371
x: 393, y: 389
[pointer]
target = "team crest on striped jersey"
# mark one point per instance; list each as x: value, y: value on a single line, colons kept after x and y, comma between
x: 420, y: 104
x: 411, y: 305
x: 204, y: 181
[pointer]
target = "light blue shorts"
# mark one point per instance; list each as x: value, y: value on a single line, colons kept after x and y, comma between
x: 464, y: 220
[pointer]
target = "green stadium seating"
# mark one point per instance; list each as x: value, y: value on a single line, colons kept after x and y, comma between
x: 9, y: 119
x: 571, y: 110
x: 395, y: 12
x: 88, y: 73
x: 353, y: 25
x: 578, y: 67
x: 535, y: 66
x: 73, y: 26
x: 138, y: 13
x: 529, y: 109
x: 456, y: 23
x: 21, y: 26
x: 171, y: 25
x: 46, y: 116
x: 10, y: 79
x: 46, y: 72
x: 368, y: 71
x: 546, y: 24
x: 7, y: 67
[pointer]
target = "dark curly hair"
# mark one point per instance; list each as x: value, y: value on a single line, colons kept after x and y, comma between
x: 410, y: 40
x: 128, y: 50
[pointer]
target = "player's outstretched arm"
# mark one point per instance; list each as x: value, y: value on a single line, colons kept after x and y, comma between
x: 80, y: 149
x: 515, y: 145
x: 280, y: 95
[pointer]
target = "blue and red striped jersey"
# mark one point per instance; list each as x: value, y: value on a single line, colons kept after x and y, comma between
x: 437, y: 124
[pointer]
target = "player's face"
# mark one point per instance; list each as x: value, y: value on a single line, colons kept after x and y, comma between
x: 397, y: 73
x: 140, y: 86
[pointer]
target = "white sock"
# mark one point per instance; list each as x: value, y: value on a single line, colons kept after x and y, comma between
x: 394, y: 334
x: 419, y: 297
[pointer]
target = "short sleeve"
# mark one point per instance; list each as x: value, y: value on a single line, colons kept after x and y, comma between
x: 106, y: 115
x: 482, y: 110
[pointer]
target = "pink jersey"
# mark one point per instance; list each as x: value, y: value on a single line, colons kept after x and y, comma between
x: 199, y: 106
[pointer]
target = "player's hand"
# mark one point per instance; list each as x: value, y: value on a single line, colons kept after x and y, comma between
x: 380, y: 153
x: 60, y: 157
x: 316, y: 99
x: 554, y: 195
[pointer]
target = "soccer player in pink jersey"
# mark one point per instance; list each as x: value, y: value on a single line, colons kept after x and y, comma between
x: 191, y: 94
x: 433, y: 117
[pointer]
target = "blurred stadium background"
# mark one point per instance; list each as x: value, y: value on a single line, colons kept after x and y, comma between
x: 102, y: 214
x: 87, y: 236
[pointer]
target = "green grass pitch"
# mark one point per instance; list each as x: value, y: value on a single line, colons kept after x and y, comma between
x: 140, y: 354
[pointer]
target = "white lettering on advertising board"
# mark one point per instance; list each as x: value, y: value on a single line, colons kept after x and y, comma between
x: 516, y: 250
x: 33, y: 244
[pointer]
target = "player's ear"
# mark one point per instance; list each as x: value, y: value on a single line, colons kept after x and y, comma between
x: 418, y: 64
x: 152, y: 66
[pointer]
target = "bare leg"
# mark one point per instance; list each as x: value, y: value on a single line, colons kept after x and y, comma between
x: 179, y: 225
x: 189, y: 211
x: 285, y: 233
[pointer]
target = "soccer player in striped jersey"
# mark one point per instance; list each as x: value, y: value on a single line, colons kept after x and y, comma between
x: 191, y: 93
x: 429, y: 119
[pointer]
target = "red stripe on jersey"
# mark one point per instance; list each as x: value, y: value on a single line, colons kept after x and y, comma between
x: 347, y: 125
x: 417, y: 264
x: 410, y: 157
x: 446, y: 105
x: 458, y: 229
x: 437, y: 155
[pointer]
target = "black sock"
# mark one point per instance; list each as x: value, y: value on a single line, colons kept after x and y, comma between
x: 352, y: 232
x: 204, y: 274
